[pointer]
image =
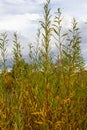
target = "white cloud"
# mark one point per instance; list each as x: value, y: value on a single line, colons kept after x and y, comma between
x: 19, y: 7
x: 40, y: 1
x: 18, y: 22
x: 15, y: 1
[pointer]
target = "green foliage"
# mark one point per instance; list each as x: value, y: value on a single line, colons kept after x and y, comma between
x: 3, y: 50
x: 72, y: 52
x: 18, y: 62
x: 58, y: 35
x: 16, y: 50
x: 42, y: 95
x: 46, y: 36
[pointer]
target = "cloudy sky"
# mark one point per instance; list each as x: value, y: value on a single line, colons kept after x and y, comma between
x: 22, y: 16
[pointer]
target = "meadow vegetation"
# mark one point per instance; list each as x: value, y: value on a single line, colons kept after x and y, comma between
x: 44, y: 94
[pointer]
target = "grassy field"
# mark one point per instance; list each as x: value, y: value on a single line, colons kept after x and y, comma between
x: 44, y: 95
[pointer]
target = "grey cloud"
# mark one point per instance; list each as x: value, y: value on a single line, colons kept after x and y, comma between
x: 83, y: 30
x: 76, y: 8
x: 8, y: 7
